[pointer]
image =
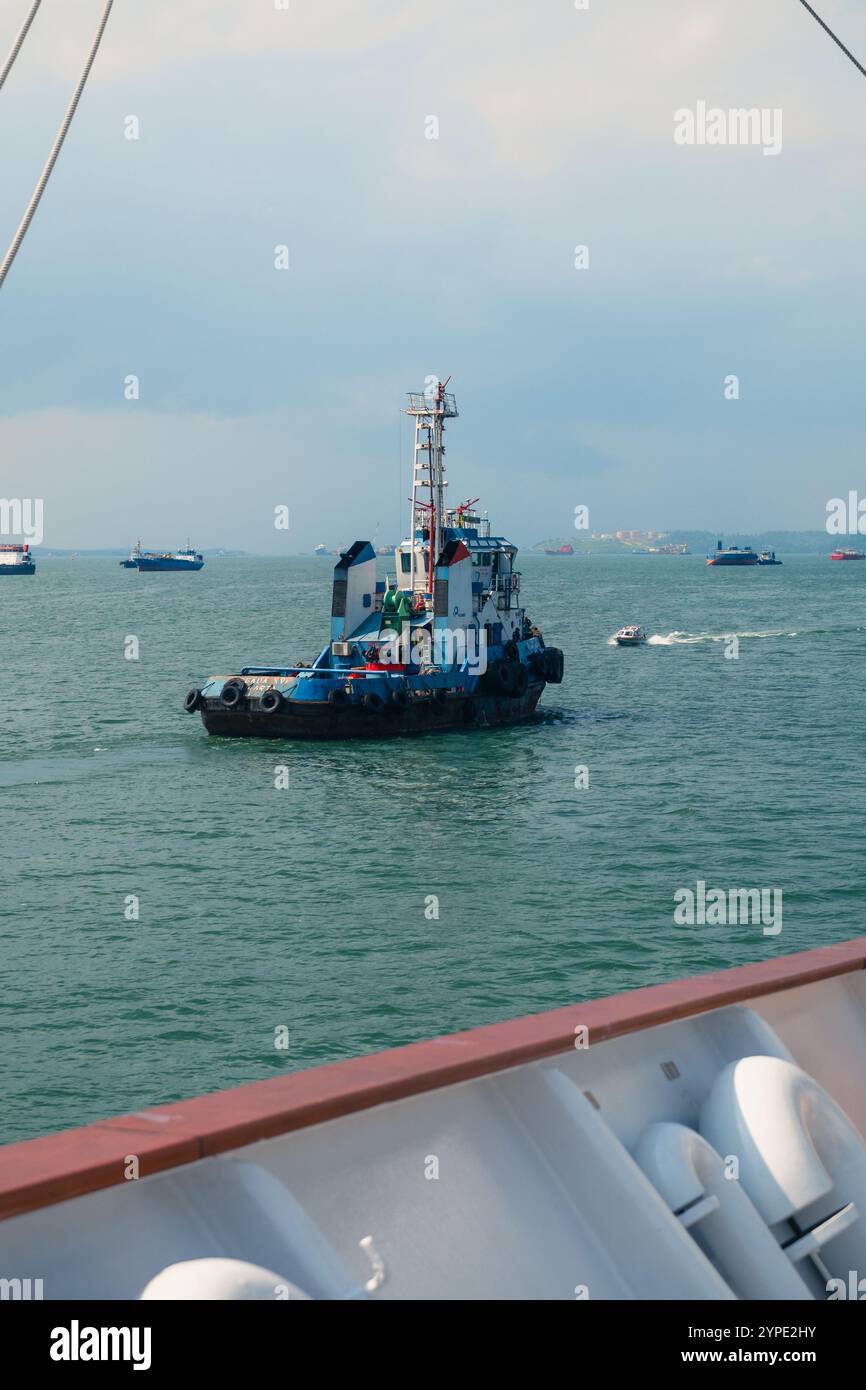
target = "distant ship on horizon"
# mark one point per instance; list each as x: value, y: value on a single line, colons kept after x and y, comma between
x: 16, y: 559
x: 733, y: 555
x: 146, y: 561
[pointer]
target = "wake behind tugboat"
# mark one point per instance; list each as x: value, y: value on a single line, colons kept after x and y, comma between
x: 443, y: 644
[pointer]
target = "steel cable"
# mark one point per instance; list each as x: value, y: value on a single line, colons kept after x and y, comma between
x: 55, y: 149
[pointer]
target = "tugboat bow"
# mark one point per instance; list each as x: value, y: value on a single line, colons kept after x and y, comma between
x: 443, y: 643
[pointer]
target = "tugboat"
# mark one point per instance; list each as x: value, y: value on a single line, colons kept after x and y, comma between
x: 16, y: 559
x: 321, y: 550
x: 768, y: 557
x: 734, y: 555
x: 134, y: 555
x: 186, y: 559
x: 631, y: 636
x: 443, y: 644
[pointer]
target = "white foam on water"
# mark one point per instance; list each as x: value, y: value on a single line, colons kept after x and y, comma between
x: 690, y: 638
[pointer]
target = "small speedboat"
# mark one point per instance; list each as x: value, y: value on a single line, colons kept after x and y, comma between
x: 632, y: 636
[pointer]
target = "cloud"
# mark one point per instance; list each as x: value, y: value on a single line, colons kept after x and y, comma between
x: 152, y: 35
x: 166, y: 476
x: 411, y: 255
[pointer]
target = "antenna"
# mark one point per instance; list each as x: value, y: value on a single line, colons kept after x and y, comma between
x: 431, y: 408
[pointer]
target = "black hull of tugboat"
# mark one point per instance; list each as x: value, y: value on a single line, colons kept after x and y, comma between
x: 319, y: 720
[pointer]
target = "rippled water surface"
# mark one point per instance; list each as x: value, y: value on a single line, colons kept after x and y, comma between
x: 305, y: 907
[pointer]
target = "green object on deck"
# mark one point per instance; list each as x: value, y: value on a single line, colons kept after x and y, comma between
x: 396, y: 609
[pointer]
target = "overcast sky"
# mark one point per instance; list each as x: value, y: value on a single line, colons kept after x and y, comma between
x: 409, y: 256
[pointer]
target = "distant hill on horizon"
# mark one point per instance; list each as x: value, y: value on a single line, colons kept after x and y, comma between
x: 48, y: 552
x: 790, y: 542
x: 702, y: 542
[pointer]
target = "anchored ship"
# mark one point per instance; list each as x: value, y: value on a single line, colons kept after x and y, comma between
x: 186, y: 559
x: 733, y: 555
x: 768, y: 557
x: 848, y: 555
x: 442, y: 644
x: 606, y: 1166
x: 16, y: 559
x: 321, y: 550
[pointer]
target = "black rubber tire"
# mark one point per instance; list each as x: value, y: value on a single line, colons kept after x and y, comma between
x: 502, y: 677
x: 440, y: 699
x: 554, y: 663
x: 233, y: 693
x: 272, y: 701
x: 400, y: 699
x: 192, y: 701
x: 521, y: 681
x: 374, y: 703
x: 338, y: 696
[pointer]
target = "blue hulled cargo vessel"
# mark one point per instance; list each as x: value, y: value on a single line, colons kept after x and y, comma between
x: 441, y: 644
x: 16, y: 559
x: 147, y: 560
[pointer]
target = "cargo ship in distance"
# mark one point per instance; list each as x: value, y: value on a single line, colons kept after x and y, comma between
x: 16, y: 559
x: 146, y: 561
x: 732, y: 555
x: 848, y: 555
x: 442, y: 644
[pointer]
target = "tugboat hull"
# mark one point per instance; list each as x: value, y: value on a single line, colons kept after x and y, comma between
x: 317, y: 720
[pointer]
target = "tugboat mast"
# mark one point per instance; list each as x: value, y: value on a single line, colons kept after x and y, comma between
x: 430, y: 408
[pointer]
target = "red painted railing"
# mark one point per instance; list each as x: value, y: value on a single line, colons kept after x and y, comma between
x: 38, y: 1172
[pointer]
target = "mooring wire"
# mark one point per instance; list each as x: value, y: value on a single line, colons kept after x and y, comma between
x: 55, y: 149
x: 834, y: 37
x: 16, y: 47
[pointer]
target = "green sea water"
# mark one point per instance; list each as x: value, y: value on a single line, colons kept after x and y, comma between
x: 398, y: 890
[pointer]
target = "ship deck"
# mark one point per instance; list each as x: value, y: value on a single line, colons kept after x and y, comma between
x: 496, y: 1163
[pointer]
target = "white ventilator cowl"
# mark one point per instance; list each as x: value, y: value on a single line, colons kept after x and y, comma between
x: 219, y: 1279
